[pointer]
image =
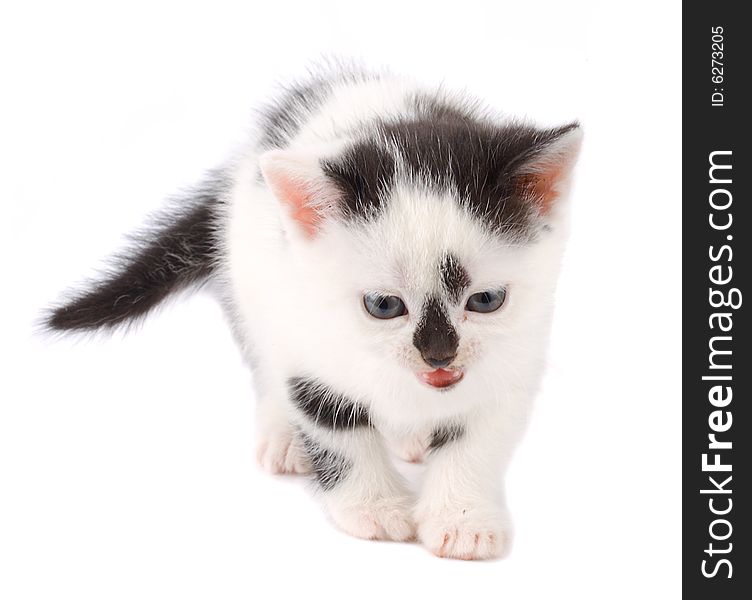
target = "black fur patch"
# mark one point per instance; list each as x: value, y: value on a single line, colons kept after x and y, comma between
x: 362, y: 174
x: 444, y: 435
x: 447, y: 146
x: 435, y: 336
x: 327, y: 408
x: 454, y: 277
x: 329, y: 467
x: 177, y: 252
x: 477, y: 159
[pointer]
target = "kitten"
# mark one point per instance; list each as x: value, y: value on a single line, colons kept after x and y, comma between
x: 387, y: 255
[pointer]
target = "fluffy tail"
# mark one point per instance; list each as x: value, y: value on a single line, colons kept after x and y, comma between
x: 178, y: 251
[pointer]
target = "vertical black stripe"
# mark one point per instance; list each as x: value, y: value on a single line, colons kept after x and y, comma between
x: 454, y: 277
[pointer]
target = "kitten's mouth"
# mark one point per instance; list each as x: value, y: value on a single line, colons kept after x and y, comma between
x: 441, y: 378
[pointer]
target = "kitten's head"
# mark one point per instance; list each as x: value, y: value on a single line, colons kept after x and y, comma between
x: 432, y: 246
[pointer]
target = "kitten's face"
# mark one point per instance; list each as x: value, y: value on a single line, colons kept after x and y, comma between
x: 429, y: 291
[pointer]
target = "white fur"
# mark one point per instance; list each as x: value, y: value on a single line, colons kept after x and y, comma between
x: 298, y: 306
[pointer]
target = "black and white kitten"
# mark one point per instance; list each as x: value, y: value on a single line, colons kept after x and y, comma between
x: 387, y: 255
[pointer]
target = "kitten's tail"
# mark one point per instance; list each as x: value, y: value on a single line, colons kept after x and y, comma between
x: 179, y: 250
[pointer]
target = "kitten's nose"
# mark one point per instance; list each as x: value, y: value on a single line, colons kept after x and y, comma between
x: 438, y: 363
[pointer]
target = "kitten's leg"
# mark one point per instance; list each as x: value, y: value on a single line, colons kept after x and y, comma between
x: 279, y: 449
x: 461, y: 512
x: 360, y: 489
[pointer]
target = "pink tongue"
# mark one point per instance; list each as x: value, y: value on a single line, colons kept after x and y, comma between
x: 441, y: 377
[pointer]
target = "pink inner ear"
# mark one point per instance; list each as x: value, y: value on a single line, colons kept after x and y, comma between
x: 299, y: 185
x: 299, y: 199
x: 543, y: 186
x: 543, y: 179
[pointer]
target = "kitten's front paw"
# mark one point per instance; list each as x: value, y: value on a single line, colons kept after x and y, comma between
x: 464, y: 533
x: 279, y: 452
x: 385, y: 519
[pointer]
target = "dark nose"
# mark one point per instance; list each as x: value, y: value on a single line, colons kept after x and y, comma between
x: 438, y: 363
x: 435, y: 337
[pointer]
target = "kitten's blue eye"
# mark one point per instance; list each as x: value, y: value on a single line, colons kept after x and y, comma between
x: 384, y: 307
x: 486, y: 302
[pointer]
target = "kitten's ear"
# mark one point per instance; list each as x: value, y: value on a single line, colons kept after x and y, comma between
x: 298, y: 182
x: 543, y: 172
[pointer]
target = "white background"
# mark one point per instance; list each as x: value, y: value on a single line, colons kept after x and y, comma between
x: 127, y: 465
